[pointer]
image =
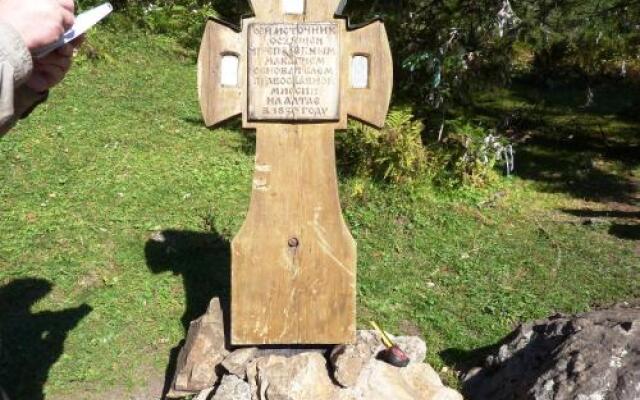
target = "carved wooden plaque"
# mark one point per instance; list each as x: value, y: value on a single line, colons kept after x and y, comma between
x: 300, y: 73
x: 294, y: 72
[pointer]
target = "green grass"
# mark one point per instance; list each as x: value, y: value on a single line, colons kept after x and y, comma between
x: 119, y: 152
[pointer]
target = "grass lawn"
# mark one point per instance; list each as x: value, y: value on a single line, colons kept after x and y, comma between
x: 91, y: 303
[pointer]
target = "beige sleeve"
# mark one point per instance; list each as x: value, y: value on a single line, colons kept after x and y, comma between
x: 16, y: 65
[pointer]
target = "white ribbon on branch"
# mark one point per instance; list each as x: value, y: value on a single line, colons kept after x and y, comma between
x: 507, y: 19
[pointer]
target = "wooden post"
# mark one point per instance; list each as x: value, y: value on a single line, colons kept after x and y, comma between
x: 295, y: 73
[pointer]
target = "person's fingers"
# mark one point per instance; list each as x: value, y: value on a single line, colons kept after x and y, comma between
x: 66, y: 50
x: 56, y: 59
x: 77, y: 42
x: 68, y: 5
x: 51, y: 70
x: 48, y: 72
x: 68, y: 19
x: 52, y: 73
x: 38, y: 82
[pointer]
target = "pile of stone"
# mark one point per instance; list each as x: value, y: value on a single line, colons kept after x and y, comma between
x: 208, y: 368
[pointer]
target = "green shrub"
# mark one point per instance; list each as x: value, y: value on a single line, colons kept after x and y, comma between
x: 468, y: 156
x: 393, y: 154
x: 184, y: 20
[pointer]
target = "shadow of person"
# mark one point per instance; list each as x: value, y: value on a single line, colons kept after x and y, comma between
x: 204, y: 262
x: 202, y: 259
x: 31, y: 342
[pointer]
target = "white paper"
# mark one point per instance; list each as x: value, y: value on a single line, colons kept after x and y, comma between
x: 84, y: 22
x: 293, y: 6
x: 229, y: 70
x: 360, y: 72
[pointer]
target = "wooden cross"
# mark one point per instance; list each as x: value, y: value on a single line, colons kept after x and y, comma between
x: 295, y: 73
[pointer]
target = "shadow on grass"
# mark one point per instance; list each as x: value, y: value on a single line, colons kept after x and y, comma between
x: 603, y: 214
x: 620, y: 229
x: 31, y: 342
x: 465, y: 360
x: 203, y: 260
x: 627, y: 232
x: 247, y: 137
x: 611, y: 97
x: 569, y: 149
x: 562, y: 168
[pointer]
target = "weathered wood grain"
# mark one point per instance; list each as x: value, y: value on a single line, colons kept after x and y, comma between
x: 218, y: 102
x: 294, y: 260
x: 372, y: 103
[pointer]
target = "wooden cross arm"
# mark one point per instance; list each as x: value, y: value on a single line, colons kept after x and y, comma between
x: 370, y: 104
x: 220, y: 102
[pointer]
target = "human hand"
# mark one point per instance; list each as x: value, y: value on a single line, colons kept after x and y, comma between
x: 51, y: 69
x: 39, y: 22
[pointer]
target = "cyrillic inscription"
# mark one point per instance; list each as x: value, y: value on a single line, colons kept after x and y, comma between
x: 294, y: 72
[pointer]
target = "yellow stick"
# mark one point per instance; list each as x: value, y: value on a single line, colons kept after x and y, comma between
x: 385, y: 339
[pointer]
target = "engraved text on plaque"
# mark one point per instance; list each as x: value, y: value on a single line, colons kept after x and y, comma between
x: 294, y: 72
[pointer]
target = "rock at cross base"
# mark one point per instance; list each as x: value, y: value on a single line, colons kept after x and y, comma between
x: 232, y: 388
x: 301, y: 377
x: 381, y: 381
x: 205, y: 394
x: 413, y: 346
x: 203, y: 351
x: 349, y: 360
x: 595, y: 355
x: 236, y: 362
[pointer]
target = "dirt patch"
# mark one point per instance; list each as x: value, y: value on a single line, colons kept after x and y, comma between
x: 151, y: 390
x: 409, y: 328
x: 90, y: 280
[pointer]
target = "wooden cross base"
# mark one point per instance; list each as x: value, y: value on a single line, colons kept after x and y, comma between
x: 294, y: 260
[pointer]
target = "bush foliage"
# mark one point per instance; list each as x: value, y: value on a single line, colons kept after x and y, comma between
x: 468, y: 156
x: 394, y: 153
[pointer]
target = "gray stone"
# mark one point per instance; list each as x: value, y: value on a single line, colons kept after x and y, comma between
x: 203, y: 351
x: 236, y: 362
x: 232, y: 388
x: 301, y: 377
x: 381, y: 381
x: 205, y: 394
x: 349, y: 360
x: 591, y: 356
x: 413, y: 346
x: 291, y: 352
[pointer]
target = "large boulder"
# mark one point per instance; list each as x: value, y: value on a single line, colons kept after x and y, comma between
x: 591, y: 356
